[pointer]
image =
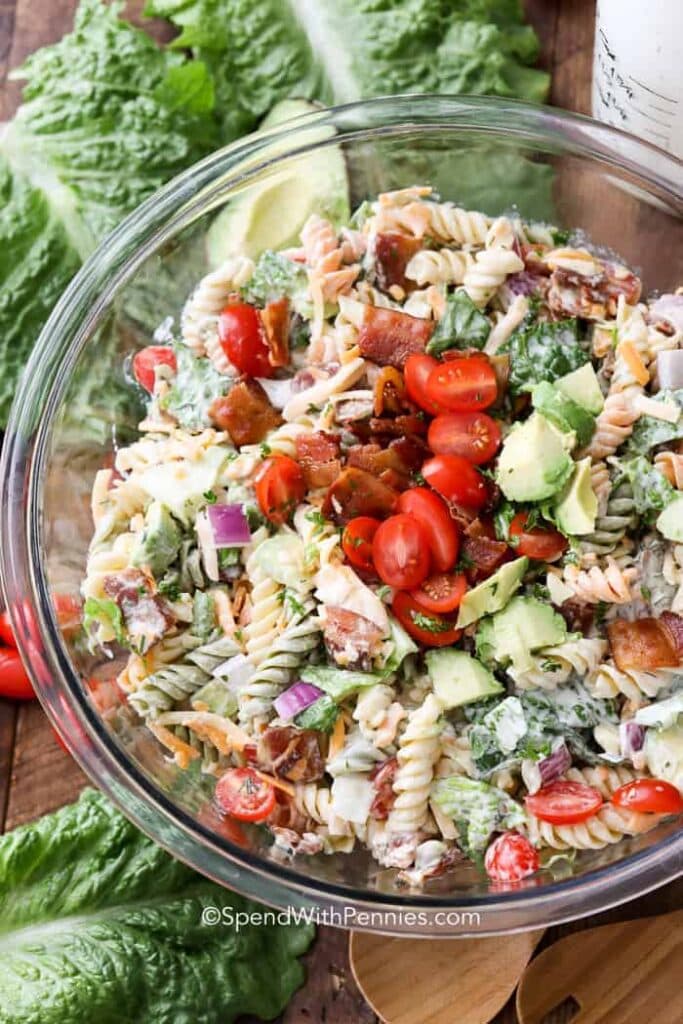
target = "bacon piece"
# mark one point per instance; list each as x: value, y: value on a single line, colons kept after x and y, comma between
x: 388, y: 337
x: 388, y: 391
x: 146, y: 615
x: 318, y: 456
x: 245, y: 412
x: 350, y: 639
x: 482, y: 556
x: 356, y: 492
x: 673, y: 624
x: 644, y: 644
x: 383, y: 782
x: 399, y: 426
x: 291, y: 753
x: 275, y: 320
x: 376, y: 460
x: 393, y: 252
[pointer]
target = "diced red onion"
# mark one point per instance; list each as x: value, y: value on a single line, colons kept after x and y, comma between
x: 229, y: 526
x: 631, y: 738
x: 537, y: 774
x: 296, y: 699
x: 670, y: 369
x: 669, y: 308
x: 673, y: 624
x: 522, y: 283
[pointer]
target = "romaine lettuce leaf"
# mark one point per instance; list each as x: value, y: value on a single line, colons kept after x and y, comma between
x: 543, y: 351
x: 649, y: 431
x: 98, y: 923
x: 461, y: 326
x: 195, y: 386
x: 478, y: 810
x: 652, y: 492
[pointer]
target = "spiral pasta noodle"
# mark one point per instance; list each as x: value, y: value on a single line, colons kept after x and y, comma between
x: 608, y: 681
x: 417, y: 755
x: 199, y: 318
x: 554, y: 665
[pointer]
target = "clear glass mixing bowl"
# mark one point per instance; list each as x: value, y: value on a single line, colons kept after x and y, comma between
x: 481, y: 153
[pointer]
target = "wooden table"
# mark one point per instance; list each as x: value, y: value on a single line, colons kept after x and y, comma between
x: 35, y: 775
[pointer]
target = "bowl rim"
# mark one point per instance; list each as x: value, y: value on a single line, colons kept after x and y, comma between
x: 26, y: 450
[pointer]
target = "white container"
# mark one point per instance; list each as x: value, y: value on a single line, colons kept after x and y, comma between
x: 638, y: 70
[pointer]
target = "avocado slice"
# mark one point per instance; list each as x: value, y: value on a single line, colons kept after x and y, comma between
x: 576, y: 508
x: 534, y: 463
x: 525, y: 625
x: 670, y: 521
x: 159, y: 541
x: 269, y: 213
x: 583, y: 387
x: 564, y: 412
x: 458, y: 678
x: 216, y: 697
x: 493, y: 594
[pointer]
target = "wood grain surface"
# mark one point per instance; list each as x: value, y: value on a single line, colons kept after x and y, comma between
x: 35, y: 774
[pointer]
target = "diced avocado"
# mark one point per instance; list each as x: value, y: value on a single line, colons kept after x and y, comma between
x: 670, y: 521
x: 282, y: 558
x: 664, y: 754
x: 583, y: 387
x: 458, y: 678
x: 216, y: 697
x: 534, y: 463
x: 564, y: 412
x: 159, y: 542
x: 493, y: 594
x: 525, y: 625
x: 270, y: 212
x: 577, y: 506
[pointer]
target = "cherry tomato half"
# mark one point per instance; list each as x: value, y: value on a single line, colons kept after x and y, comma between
x: 357, y: 541
x: 14, y: 680
x: 542, y: 543
x: 416, y: 371
x: 463, y: 385
x: 456, y: 480
x: 400, y: 551
x: 242, y: 338
x: 473, y: 435
x: 427, y: 628
x: 564, y: 802
x: 145, y: 361
x: 649, y: 796
x: 280, y: 486
x: 242, y: 793
x: 443, y: 533
x: 511, y: 857
x: 441, y: 593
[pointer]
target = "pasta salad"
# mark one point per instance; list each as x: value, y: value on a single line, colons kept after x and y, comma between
x: 398, y: 554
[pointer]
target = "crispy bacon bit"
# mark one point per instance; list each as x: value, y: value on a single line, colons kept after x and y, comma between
x: 578, y: 616
x: 380, y: 461
x: 389, y: 337
x: 275, y: 319
x: 351, y: 639
x: 356, y: 492
x: 318, y: 456
x: 393, y: 252
x: 482, y: 556
x: 383, y: 781
x: 146, y: 615
x: 673, y: 624
x: 534, y: 261
x: 291, y: 753
x: 388, y: 391
x: 644, y: 644
x: 245, y: 412
x: 595, y: 296
x: 399, y: 426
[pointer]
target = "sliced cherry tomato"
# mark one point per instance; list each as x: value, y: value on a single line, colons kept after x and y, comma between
x: 443, y: 533
x: 441, y: 593
x: 416, y: 373
x: 649, y: 796
x: 242, y: 793
x: 564, y: 802
x: 14, y: 680
x: 6, y: 633
x: 542, y: 543
x: 357, y: 541
x: 427, y: 628
x: 400, y: 551
x: 243, y: 339
x: 463, y: 385
x: 456, y: 480
x: 474, y: 435
x: 280, y: 486
x: 511, y: 857
x: 145, y: 361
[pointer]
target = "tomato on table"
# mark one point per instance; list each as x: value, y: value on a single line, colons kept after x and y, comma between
x: 564, y: 802
x: 280, y: 487
x: 6, y: 632
x: 649, y: 796
x: 416, y: 373
x: 457, y: 480
x: 400, y: 551
x: 463, y: 385
x: 441, y: 530
x: 540, y: 542
x: 474, y: 435
x: 14, y: 680
x: 357, y: 541
x: 511, y: 857
x: 441, y: 593
x: 147, y: 359
x: 245, y: 795
x: 243, y: 339
x: 427, y: 628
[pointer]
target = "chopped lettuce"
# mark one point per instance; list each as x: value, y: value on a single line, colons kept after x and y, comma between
x: 196, y: 384
x: 543, y: 351
x: 649, y: 431
x: 652, y: 492
x: 274, y: 277
x: 401, y: 646
x: 320, y: 715
x: 461, y: 326
x: 478, y: 810
x: 339, y: 683
x: 203, y: 614
x: 101, y: 615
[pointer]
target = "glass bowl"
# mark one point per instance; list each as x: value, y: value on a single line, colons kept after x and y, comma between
x: 71, y: 413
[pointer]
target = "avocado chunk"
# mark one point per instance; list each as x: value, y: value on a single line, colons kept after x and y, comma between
x: 583, y: 387
x: 564, y: 412
x: 269, y: 214
x: 458, y: 678
x: 524, y: 626
x: 283, y: 559
x: 670, y: 521
x: 216, y: 697
x: 534, y: 463
x: 577, y: 506
x: 159, y: 542
x: 493, y: 594
x: 664, y: 754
